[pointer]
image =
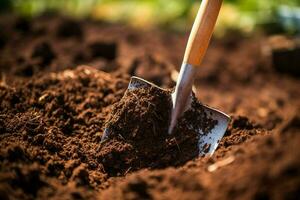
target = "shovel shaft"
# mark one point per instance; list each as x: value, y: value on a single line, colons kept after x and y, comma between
x: 195, y: 50
x: 202, y: 31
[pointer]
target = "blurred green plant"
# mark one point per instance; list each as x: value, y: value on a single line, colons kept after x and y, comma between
x: 243, y: 15
x: 142, y: 12
x: 70, y: 7
x: 264, y: 13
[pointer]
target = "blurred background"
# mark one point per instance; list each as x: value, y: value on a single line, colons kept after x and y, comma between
x: 273, y: 16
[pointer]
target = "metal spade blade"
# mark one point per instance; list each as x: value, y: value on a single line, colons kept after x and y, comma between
x: 208, y: 142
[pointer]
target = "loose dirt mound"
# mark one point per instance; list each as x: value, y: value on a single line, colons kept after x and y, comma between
x: 150, y: 144
x: 263, y: 168
x: 53, y: 115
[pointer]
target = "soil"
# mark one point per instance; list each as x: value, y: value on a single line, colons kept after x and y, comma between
x: 150, y: 144
x: 63, y: 82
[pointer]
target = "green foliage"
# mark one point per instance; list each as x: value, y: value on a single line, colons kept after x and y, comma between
x: 248, y: 13
x: 35, y: 7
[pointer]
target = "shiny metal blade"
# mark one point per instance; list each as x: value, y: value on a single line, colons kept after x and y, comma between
x: 137, y: 82
x: 208, y: 142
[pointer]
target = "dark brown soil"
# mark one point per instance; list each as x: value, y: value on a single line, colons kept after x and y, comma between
x: 150, y: 144
x: 53, y: 113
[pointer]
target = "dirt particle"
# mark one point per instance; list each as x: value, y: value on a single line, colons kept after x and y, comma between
x: 81, y: 176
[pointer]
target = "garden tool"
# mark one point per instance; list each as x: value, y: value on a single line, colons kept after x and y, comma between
x: 182, y: 97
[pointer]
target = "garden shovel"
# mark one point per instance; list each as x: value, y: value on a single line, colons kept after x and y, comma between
x: 182, y: 96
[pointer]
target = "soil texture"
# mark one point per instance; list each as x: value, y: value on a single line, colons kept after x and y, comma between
x: 63, y: 82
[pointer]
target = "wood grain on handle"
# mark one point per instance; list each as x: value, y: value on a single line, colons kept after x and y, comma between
x: 202, y: 31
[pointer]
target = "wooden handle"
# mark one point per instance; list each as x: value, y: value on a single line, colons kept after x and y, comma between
x: 202, y: 31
